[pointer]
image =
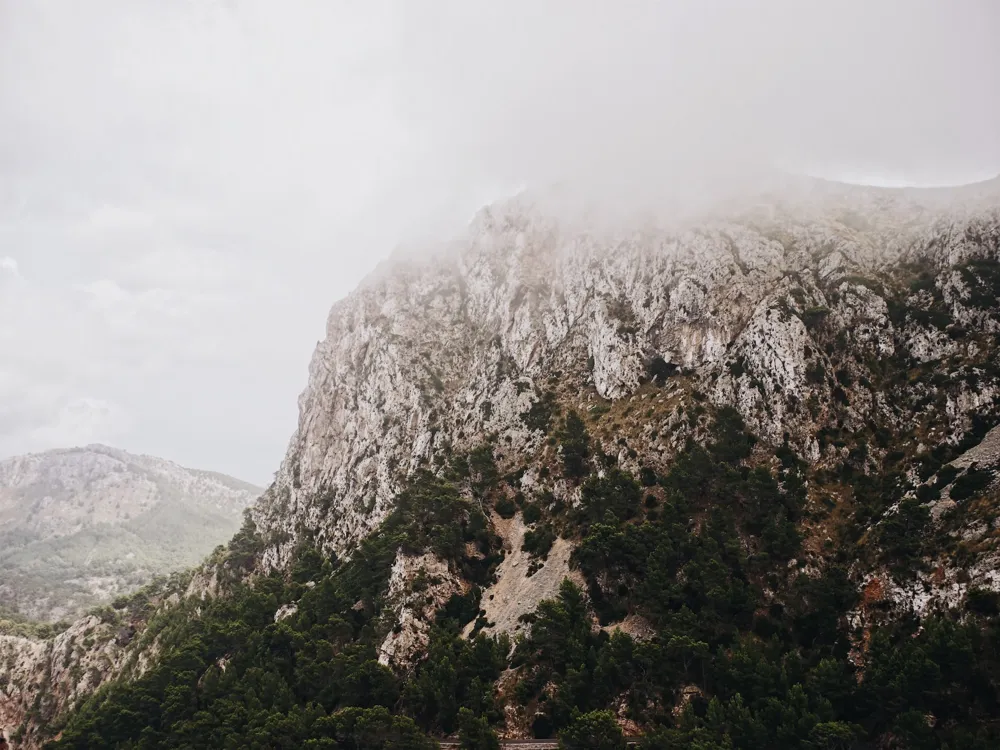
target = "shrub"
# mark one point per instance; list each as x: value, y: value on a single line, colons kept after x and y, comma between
x: 539, y: 541
x: 616, y: 493
x: 505, y: 507
x: 597, y: 730
x: 574, y: 441
x: 971, y: 483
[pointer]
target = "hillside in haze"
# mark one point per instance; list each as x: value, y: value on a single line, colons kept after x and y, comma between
x: 729, y: 483
x: 81, y: 526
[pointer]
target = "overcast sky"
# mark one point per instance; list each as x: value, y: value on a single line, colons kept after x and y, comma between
x: 186, y: 186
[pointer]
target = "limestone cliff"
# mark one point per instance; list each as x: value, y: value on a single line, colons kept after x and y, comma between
x: 45, y: 678
x: 788, y: 307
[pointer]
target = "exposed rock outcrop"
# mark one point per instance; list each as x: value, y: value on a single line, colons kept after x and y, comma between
x: 418, y: 586
x: 782, y: 309
x: 520, y: 586
x: 46, y: 678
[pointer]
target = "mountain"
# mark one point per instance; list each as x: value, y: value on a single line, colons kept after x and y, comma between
x: 767, y: 309
x: 79, y: 527
x: 725, y: 482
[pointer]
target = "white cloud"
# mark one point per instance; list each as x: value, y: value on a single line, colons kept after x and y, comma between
x: 8, y: 267
x: 81, y: 422
x: 108, y: 220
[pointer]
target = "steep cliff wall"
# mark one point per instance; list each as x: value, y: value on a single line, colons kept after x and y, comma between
x: 789, y: 309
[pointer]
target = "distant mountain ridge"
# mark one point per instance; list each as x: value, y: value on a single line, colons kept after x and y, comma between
x: 79, y: 526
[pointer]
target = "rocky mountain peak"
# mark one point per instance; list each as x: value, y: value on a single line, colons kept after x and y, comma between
x: 751, y: 306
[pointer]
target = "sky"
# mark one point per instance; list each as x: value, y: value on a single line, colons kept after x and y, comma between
x: 186, y: 187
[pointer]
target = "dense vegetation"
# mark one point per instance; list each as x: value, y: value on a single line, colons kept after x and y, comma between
x: 231, y: 677
x: 750, y: 651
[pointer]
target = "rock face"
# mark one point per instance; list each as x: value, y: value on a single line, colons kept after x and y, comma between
x: 786, y: 308
x: 519, y: 588
x: 418, y: 585
x: 58, y: 671
x: 80, y: 526
x: 833, y: 313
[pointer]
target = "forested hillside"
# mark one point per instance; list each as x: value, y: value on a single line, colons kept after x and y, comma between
x: 747, y: 649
